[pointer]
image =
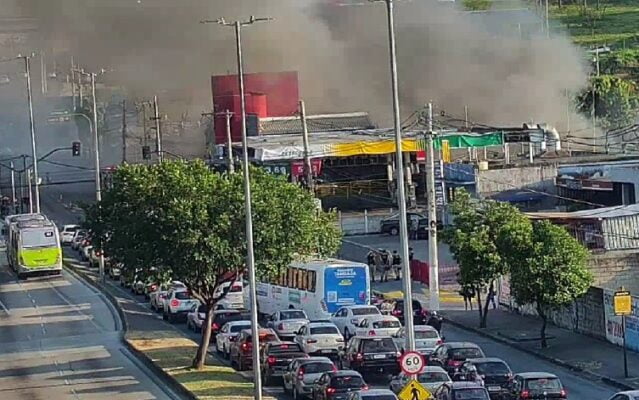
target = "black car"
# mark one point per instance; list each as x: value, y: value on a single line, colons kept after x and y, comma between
x: 390, y: 225
x: 536, y: 385
x: 452, y: 355
x: 275, y: 358
x: 337, y: 385
x: 461, y: 390
x: 496, y: 374
x: 370, y: 354
x: 420, y: 315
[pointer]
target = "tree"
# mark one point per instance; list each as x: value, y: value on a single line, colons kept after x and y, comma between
x: 551, y: 270
x: 474, y: 240
x: 616, y: 101
x: 180, y: 220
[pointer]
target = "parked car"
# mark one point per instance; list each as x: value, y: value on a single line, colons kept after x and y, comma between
x: 378, y: 325
x: 431, y: 378
x: 157, y: 294
x: 420, y: 315
x: 426, y: 339
x: 347, y: 318
x: 301, y: 373
x: 275, y: 358
x: 234, y: 298
x: 228, y: 334
x: 320, y: 338
x: 85, y: 251
x: 337, y: 385
x: 94, y: 259
x: 536, y: 385
x: 370, y: 354
x: 241, y: 355
x: 287, y: 323
x: 78, y: 236
x: 452, y: 355
x: 495, y: 372
x: 67, y: 233
x: 115, y: 271
x: 461, y: 390
x: 221, y: 317
x: 390, y: 224
x: 627, y: 395
x: 373, y: 394
x: 177, y: 304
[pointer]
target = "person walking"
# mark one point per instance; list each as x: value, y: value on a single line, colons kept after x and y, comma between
x: 386, y: 259
x: 468, y: 293
x: 370, y: 260
x: 397, y: 264
x: 435, y: 320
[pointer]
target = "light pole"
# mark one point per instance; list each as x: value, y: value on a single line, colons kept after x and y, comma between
x: 401, y: 190
x: 250, y: 261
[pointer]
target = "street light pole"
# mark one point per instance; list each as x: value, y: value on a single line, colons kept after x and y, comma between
x: 13, y: 187
x: 98, y: 183
x: 433, y: 257
x: 250, y: 257
x: 229, y: 142
x: 158, y: 133
x: 27, y: 67
x: 308, y: 168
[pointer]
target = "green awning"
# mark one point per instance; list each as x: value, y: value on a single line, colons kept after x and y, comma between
x: 466, y: 140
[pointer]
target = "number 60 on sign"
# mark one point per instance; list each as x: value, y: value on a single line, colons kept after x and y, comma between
x: 412, y: 363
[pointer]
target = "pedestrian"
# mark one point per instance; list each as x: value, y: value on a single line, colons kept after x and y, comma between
x: 412, y: 228
x: 386, y: 259
x: 397, y: 264
x: 491, y: 298
x: 411, y: 254
x: 370, y: 260
x: 468, y: 294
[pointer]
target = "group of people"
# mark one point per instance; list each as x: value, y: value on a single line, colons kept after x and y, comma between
x: 382, y: 262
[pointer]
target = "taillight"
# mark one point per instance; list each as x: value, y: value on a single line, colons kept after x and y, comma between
x: 524, y: 394
x: 246, y: 347
x: 453, y: 363
x: 440, y: 342
x: 98, y: 253
x: 280, y: 327
x: 359, y: 356
x: 563, y: 393
x: 154, y: 288
x: 300, y: 374
x: 311, y: 341
x: 424, y: 313
x: 216, y: 326
x: 271, y: 360
x: 334, y: 368
x: 365, y: 387
x: 396, y: 312
x: 175, y: 303
x: 330, y: 390
x: 232, y: 338
x: 371, y: 333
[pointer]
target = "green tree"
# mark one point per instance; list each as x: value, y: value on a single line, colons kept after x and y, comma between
x: 181, y: 220
x: 550, y: 271
x: 474, y: 240
x: 477, y: 5
x: 616, y: 100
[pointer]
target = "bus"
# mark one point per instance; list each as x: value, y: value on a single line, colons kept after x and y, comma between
x: 34, y: 248
x: 319, y: 287
x: 10, y: 220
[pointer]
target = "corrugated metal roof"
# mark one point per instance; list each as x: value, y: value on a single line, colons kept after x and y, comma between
x: 603, y: 213
x: 316, y: 123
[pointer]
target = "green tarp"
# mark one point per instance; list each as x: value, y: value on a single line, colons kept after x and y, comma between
x: 465, y: 140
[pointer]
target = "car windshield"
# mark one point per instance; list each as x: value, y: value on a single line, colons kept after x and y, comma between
x: 202, y: 309
x: 293, y: 314
x: 426, y: 335
x: 471, y: 394
x: 71, y: 229
x: 543, y: 384
x: 347, y: 382
x: 285, y: 348
x: 428, y: 377
x: 492, y: 368
x: 366, y: 311
x: 386, y: 324
x: 378, y: 345
x: 235, y: 288
x: 465, y: 352
x: 317, y: 367
x: 183, y: 295
x: 239, y: 328
x: 324, y: 330
x: 264, y: 338
x: 225, y: 317
x: 38, y: 238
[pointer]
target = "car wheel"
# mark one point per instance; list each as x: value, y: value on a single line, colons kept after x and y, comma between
x: 394, y: 231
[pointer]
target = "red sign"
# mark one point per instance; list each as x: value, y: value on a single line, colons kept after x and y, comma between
x: 297, y: 167
x: 421, y: 155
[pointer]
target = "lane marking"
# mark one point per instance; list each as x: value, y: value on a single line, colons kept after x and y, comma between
x: 4, y: 308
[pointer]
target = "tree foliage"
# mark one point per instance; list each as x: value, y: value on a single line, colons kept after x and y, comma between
x: 179, y: 220
x: 616, y: 100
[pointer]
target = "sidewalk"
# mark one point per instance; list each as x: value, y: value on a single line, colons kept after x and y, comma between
x: 449, y: 298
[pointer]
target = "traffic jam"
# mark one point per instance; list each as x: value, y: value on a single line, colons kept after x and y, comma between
x: 356, y: 352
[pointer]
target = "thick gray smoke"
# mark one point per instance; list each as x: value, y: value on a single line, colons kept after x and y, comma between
x: 450, y: 57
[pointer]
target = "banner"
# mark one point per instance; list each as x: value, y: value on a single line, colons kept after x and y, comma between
x: 614, y: 330
x: 355, y: 148
x: 465, y: 140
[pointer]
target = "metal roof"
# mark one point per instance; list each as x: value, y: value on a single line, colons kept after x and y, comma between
x: 316, y: 123
x: 597, y: 213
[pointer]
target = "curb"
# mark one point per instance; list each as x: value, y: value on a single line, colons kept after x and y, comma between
x: 590, y: 375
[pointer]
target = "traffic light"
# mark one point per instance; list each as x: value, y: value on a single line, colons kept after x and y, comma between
x: 75, y: 149
x: 146, y: 152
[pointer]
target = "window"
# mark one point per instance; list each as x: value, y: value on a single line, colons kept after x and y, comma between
x: 324, y: 330
x: 292, y: 274
x: 302, y: 283
x: 282, y: 278
x: 311, y: 281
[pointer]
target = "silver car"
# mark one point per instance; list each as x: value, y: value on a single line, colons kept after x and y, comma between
x: 301, y: 373
x: 287, y: 323
x: 320, y: 338
x: 426, y: 339
x: 431, y: 378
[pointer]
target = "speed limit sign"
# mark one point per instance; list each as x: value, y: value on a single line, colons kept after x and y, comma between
x: 412, y: 363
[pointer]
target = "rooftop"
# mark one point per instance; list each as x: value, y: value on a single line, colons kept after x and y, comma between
x: 315, y: 123
x: 597, y: 213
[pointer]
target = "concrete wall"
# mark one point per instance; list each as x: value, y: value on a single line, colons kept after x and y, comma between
x: 539, y: 177
x: 613, y: 269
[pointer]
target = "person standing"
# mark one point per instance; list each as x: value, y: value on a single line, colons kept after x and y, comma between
x: 397, y: 264
x: 370, y: 260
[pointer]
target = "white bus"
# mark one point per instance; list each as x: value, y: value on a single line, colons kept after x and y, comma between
x: 319, y: 287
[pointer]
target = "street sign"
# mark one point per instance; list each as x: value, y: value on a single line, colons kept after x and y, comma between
x: 414, y: 391
x: 622, y: 302
x: 412, y: 363
x: 440, y: 186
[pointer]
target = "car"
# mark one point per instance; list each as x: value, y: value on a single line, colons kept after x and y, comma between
x: 347, y: 318
x: 496, y: 374
x: 452, y: 355
x: 287, y: 323
x: 420, y: 315
x: 431, y: 378
x: 234, y: 297
x: 301, y: 373
x: 378, y: 325
x: 86, y: 241
x: 627, y: 395
x: 85, y: 252
x: 241, y: 354
x: 390, y: 224
x: 373, y: 394
x: 195, y: 317
x: 320, y: 338
x: 536, y: 385
x: 275, y: 358
x: 78, y: 236
x: 177, y: 304
x: 67, y: 233
x: 221, y: 317
x: 157, y: 294
x: 370, y: 354
x: 336, y: 385
x: 461, y: 390
x: 228, y: 334
x: 426, y: 339
x: 115, y: 272
x: 94, y: 259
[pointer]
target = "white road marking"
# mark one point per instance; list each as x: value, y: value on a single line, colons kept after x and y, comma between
x: 4, y: 308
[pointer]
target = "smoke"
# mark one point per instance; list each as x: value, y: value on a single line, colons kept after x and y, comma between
x: 503, y: 74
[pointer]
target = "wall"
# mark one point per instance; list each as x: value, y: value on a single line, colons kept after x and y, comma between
x: 541, y: 177
x: 622, y: 171
x: 613, y: 269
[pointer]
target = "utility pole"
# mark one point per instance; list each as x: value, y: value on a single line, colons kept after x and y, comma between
x: 43, y: 73
x: 547, y: 21
x: 229, y: 142
x: 250, y: 261
x: 80, y: 91
x: 30, y: 191
x: 158, y: 133
x: 73, y: 85
x: 23, y: 182
x: 123, y: 131
x: 308, y: 168
x: 594, y: 104
x: 433, y: 256
x: 13, y: 187
x: 27, y: 67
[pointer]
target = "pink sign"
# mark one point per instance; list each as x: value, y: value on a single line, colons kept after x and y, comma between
x: 297, y: 167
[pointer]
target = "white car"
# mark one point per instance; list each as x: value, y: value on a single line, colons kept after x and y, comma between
x: 177, y: 303
x: 228, y: 334
x: 320, y: 338
x: 85, y: 252
x: 78, y: 236
x: 431, y: 378
x: 67, y: 233
x: 627, y: 395
x: 426, y: 339
x: 287, y: 323
x: 347, y: 318
x: 234, y: 298
x: 115, y: 272
x: 378, y: 325
x: 157, y: 294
